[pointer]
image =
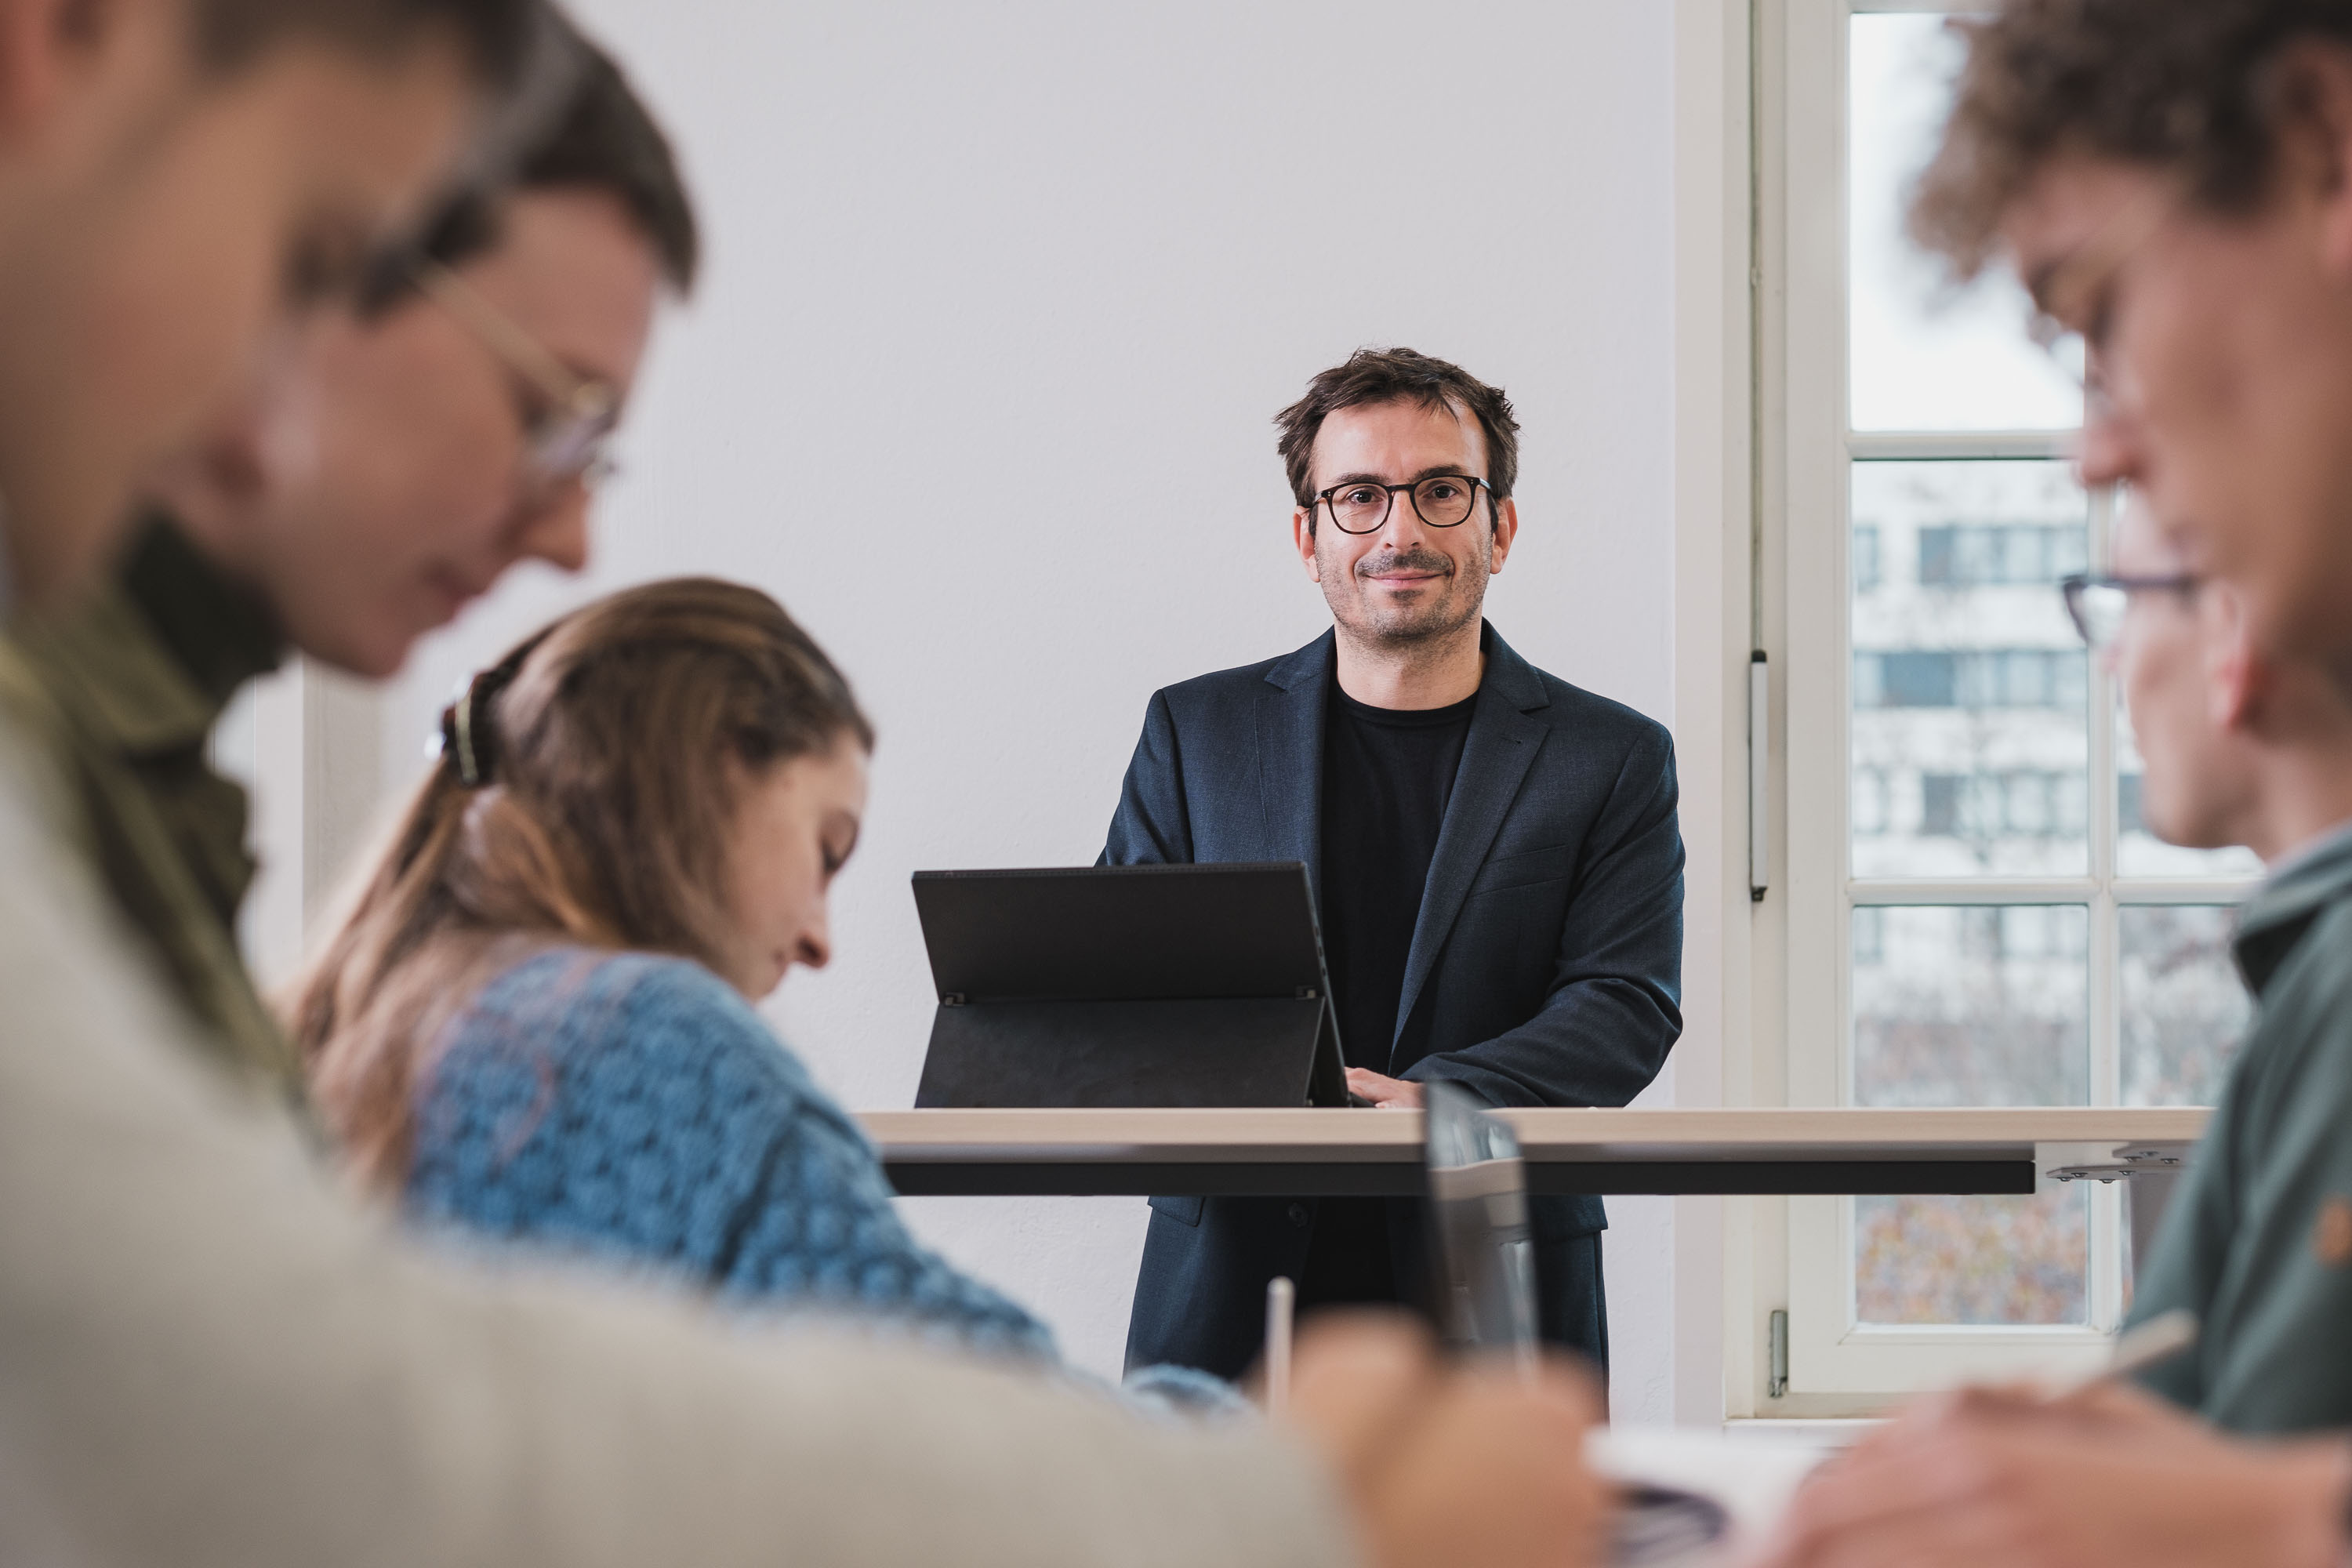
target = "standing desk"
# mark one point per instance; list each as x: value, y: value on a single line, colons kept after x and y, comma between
x: 1329, y: 1154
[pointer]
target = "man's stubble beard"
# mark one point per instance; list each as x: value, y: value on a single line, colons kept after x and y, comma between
x: 1459, y: 603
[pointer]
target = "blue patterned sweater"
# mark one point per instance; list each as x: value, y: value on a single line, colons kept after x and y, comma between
x: 634, y: 1106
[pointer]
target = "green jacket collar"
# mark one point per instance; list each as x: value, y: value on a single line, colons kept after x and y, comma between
x: 176, y: 638
x: 2283, y: 911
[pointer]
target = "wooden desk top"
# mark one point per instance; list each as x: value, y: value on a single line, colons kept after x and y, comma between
x: 1774, y: 1150
x: 1307, y: 1136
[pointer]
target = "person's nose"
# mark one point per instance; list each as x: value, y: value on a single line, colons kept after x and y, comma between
x: 2110, y: 453
x: 815, y: 949
x: 555, y: 528
x: 1402, y: 528
x: 2114, y: 451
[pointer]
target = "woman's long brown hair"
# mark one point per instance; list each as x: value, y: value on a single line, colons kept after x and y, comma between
x: 603, y: 780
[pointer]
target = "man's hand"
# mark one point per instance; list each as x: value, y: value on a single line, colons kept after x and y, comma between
x: 2107, y: 1479
x: 1450, y: 1464
x: 1388, y: 1093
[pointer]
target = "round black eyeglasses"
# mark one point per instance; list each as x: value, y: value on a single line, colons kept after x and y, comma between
x: 1440, y: 500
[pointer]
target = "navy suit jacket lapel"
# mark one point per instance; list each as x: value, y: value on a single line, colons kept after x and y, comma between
x: 1501, y: 746
x: 1290, y: 710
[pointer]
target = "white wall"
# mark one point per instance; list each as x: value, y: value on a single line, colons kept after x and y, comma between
x: 1001, y: 303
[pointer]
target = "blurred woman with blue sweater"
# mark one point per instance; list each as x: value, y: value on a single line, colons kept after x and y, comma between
x: 535, y: 1022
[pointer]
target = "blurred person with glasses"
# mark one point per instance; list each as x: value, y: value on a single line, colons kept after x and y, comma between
x: 1495, y: 854
x: 2167, y: 178
x: 393, y: 457
x: 2247, y: 747
x: 2242, y: 747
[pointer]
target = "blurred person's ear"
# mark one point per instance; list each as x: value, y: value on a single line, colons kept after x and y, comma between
x: 53, y: 51
x: 2313, y: 86
x: 214, y: 479
x: 2238, y: 678
x: 227, y: 469
x: 41, y: 43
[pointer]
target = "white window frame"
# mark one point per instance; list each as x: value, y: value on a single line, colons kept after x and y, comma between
x: 1796, y: 1252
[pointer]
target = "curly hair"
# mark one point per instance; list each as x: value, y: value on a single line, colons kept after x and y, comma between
x: 2188, y: 87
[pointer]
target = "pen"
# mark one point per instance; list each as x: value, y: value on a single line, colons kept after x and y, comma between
x: 2160, y: 1339
x: 1281, y: 1297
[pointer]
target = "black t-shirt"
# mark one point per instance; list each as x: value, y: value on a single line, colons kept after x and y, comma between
x: 1387, y: 775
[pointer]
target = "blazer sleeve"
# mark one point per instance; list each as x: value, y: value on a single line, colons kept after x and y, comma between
x: 1614, y: 1007
x: 1151, y: 826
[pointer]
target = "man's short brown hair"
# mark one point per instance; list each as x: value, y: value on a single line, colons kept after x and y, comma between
x: 601, y: 138
x: 2188, y: 87
x: 1397, y: 375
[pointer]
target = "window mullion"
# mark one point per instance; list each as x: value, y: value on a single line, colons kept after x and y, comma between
x: 1973, y: 890
x: 1948, y: 446
x: 2107, y: 1000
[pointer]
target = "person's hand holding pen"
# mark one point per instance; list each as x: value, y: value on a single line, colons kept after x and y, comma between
x: 1448, y: 1463
x: 2100, y: 1476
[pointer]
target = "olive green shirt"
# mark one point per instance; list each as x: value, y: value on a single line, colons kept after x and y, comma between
x: 136, y: 678
x: 2258, y: 1240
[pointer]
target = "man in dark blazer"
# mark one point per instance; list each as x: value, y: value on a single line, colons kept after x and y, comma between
x: 1494, y: 855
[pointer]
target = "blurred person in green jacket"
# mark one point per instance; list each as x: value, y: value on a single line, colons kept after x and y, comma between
x: 2245, y: 747
x: 2242, y: 747
x: 2172, y: 182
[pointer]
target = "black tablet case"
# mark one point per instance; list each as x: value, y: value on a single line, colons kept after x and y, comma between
x: 1128, y: 985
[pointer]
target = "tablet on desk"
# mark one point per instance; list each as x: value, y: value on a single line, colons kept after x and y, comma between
x: 1128, y: 985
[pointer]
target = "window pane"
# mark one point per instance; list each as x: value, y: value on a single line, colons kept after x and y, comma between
x: 1971, y: 1004
x: 1983, y: 1004
x: 1970, y: 686
x: 1921, y: 357
x: 2184, y: 1011
x: 2139, y: 851
x: 1972, y: 1259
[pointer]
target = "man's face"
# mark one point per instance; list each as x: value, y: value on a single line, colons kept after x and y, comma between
x: 152, y: 229
x: 1406, y: 581
x: 2201, y: 775
x: 2229, y: 345
x: 389, y: 454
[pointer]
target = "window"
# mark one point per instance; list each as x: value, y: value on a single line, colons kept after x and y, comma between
x: 1985, y: 555
x: 1974, y: 678
x: 1983, y: 809
x: 1866, y: 557
x: 1976, y: 910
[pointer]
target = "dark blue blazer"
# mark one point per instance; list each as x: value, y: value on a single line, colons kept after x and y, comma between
x: 1546, y: 967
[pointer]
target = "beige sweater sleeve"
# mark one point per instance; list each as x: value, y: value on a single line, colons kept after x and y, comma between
x: 207, y: 1357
